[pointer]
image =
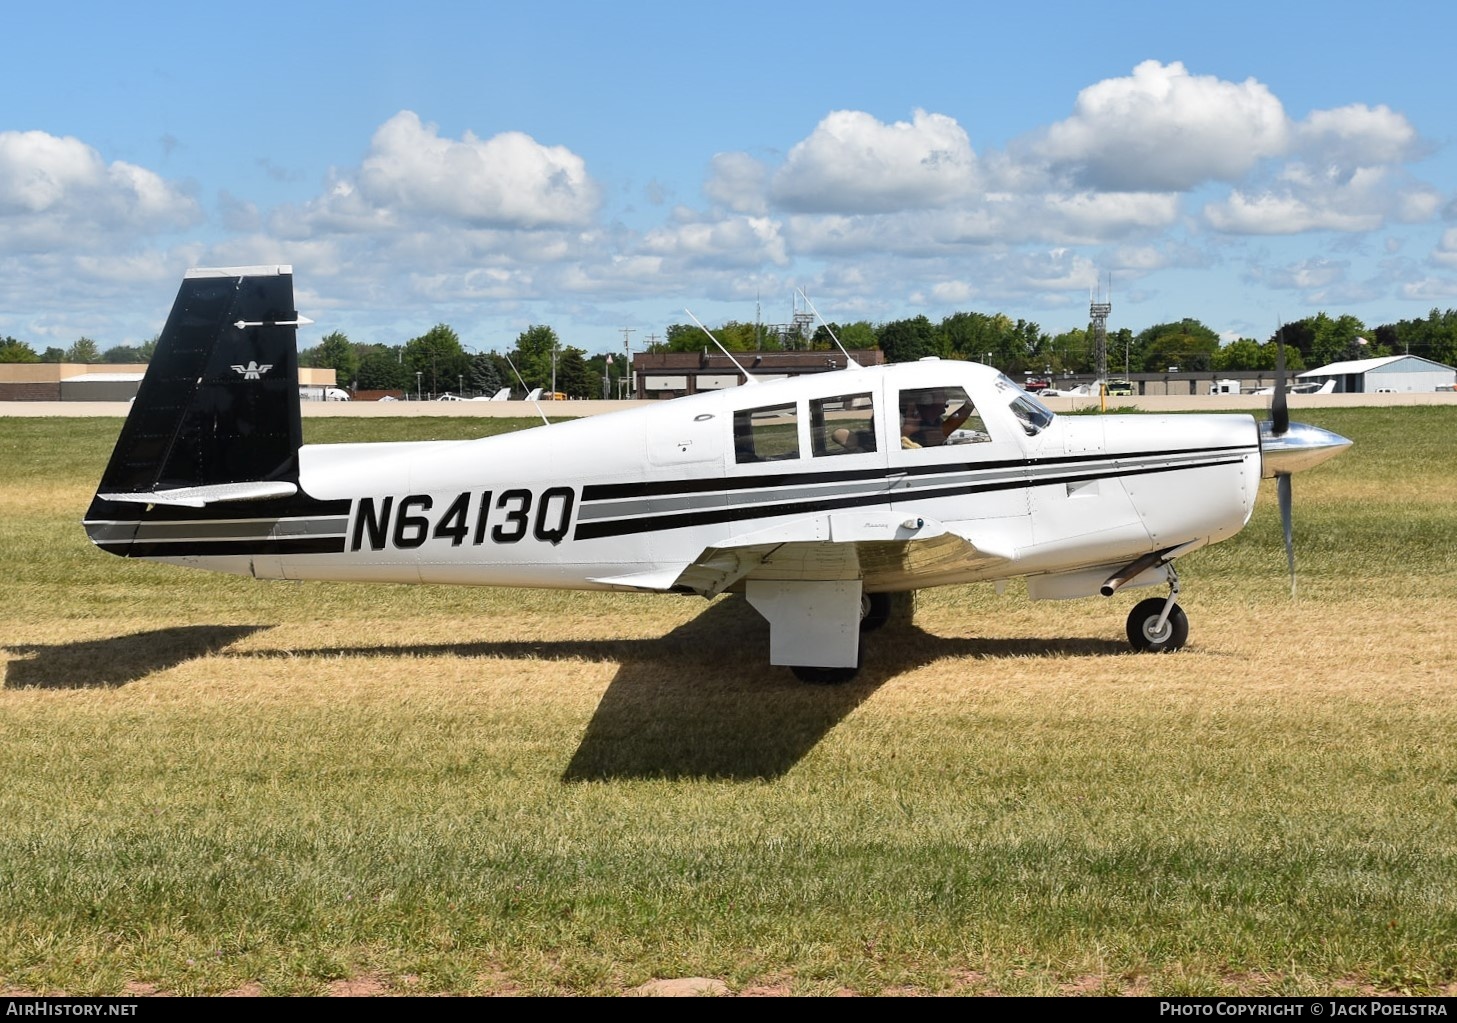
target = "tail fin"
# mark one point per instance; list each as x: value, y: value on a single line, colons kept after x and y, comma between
x: 216, y: 418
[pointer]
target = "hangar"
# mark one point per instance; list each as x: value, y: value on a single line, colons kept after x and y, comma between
x: 1396, y: 374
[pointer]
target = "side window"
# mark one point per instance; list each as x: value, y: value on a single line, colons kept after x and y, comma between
x: 768, y: 434
x: 842, y: 425
x: 933, y: 416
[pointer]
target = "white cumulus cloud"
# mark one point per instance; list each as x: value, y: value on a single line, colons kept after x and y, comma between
x: 1164, y: 129
x: 59, y: 193
x: 853, y: 163
x: 508, y: 180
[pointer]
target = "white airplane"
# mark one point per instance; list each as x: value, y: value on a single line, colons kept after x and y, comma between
x: 1328, y: 387
x: 817, y: 497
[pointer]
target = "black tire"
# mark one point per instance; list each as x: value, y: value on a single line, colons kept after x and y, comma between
x: 824, y: 676
x: 1141, y: 621
x: 875, y: 609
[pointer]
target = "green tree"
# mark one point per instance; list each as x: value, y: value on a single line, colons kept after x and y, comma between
x: 1244, y: 354
x: 382, y: 368
x: 53, y: 354
x: 1187, y: 344
x: 438, y: 357
x: 149, y: 348
x: 84, y: 350
x: 1249, y: 354
x: 122, y: 354
x: 484, y: 376
x: 336, y: 352
x: 909, y: 340
x: 573, y: 378
x: 859, y: 336
x: 1434, y: 337
x: 1069, y: 352
x: 533, y: 354
x: 12, y: 350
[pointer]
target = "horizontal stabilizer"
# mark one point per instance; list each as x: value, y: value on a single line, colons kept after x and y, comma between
x: 199, y: 497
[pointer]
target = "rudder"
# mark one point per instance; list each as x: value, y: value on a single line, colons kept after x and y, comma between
x: 219, y: 403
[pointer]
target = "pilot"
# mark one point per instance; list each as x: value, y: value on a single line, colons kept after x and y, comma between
x: 926, y: 423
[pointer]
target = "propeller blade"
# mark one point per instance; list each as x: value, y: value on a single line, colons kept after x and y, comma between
x: 1283, y: 482
x: 1279, y: 407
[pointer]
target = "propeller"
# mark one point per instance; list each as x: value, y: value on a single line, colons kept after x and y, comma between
x: 1287, y: 448
x: 1279, y: 426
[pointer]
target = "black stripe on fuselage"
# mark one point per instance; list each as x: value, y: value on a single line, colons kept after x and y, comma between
x: 295, y: 525
x: 223, y: 548
x: 591, y: 530
x: 721, y: 484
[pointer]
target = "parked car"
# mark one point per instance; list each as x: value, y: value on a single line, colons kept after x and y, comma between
x: 1119, y: 389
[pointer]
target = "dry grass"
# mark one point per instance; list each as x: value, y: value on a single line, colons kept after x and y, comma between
x: 217, y: 785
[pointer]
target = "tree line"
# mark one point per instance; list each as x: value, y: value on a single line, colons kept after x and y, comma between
x: 437, y: 362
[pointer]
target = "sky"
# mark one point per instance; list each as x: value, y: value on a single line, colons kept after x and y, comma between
x: 609, y: 169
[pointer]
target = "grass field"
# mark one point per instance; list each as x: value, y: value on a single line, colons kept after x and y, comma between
x: 216, y: 785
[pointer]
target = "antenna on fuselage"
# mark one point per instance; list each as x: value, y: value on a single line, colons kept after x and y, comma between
x: 528, y: 391
x: 748, y: 379
x: 850, y: 363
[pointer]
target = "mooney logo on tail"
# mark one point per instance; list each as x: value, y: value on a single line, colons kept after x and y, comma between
x: 253, y: 371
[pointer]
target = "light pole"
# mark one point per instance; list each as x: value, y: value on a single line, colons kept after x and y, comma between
x: 460, y: 390
x: 419, y: 386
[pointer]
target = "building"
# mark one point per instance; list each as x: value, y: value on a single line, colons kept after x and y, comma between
x: 74, y: 381
x: 1396, y: 374
x: 673, y: 374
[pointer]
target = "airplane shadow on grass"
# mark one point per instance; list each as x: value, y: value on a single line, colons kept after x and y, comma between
x: 109, y: 663
x: 701, y: 701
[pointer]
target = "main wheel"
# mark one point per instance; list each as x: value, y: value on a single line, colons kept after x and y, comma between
x: 824, y: 676
x: 1143, y: 619
x: 875, y: 610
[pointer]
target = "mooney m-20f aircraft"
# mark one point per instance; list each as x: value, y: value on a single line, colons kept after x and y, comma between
x: 817, y: 497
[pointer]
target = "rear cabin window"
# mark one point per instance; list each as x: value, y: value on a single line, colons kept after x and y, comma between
x: 842, y: 425
x: 768, y: 434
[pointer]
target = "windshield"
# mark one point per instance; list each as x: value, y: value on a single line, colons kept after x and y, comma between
x: 1031, y: 413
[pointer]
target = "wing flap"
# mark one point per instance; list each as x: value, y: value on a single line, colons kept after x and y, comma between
x: 883, y: 551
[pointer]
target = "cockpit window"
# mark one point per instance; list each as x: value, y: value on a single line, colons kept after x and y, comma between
x: 933, y: 416
x: 1031, y: 413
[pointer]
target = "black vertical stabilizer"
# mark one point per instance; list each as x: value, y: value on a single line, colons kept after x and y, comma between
x: 219, y: 403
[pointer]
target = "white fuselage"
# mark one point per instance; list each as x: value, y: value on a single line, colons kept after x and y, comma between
x: 630, y: 500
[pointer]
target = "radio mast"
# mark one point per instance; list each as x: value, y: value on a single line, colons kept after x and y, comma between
x: 1098, y: 313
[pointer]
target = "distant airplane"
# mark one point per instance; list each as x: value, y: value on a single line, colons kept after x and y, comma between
x: 817, y: 497
x: 1328, y: 387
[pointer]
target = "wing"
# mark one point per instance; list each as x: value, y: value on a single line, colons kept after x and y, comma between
x: 882, y: 550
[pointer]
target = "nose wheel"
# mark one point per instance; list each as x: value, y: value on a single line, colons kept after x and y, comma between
x: 1151, y: 630
x: 1158, y: 625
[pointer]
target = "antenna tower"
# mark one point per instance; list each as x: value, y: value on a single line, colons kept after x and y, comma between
x: 625, y: 380
x: 1098, y: 313
x: 804, y: 322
